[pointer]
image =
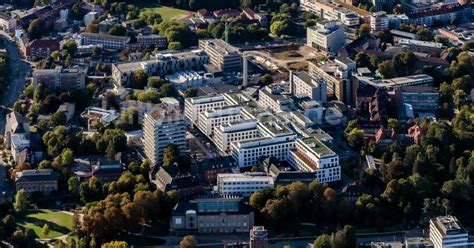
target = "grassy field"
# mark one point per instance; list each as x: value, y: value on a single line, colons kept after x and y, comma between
x: 166, y: 12
x: 59, y: 222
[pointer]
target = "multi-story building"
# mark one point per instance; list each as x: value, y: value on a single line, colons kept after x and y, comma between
x: 328, y: 37
x: 447, y: 231
x: 335, y: 77
x: 107, y: 41
x: 379, y: 21
x: 312, y: 155
x: 420, y: 98
x: 39, y: 180
x: 169, y: 178
x: 60, y: 79
x: 395, y: 83
x: 7, y: 23
x: 442, y: 12
x: 211, y: 167
x: 162, y: 64
x: 193, y: 107
x: 163, y: 126
x: 232, y: 132
x: 212, y: 214
x: 211, y: 119
x: 222, y: 55
x: 148, y: 41
x: 273, y: 100
x: 382, y: 4
x: 39, y: 48
x: 303, y: 85
x: 258, y: 237
x: 421, y: 46
x: 331, y: 11
x: 243, y: 184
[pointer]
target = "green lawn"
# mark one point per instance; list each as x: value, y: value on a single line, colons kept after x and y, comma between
x: 166, y: 12
x: 59, y: 222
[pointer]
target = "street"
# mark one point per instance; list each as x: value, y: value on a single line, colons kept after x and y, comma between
x: 19, y: 70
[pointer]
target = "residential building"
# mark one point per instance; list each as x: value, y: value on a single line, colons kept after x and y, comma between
x: 442, y: 12
x: 160, y: 65
x: 183, y: 80
x: 243, y: 184
x: 327, y: 37
x: 258, y: 237
x: 7, y: 23
x: 382, y: 4
x: 212, y: 214
x: 39, y: 180
x: 379, y: 21
x: 303, y: 85
x: 447, y: 231
x: 331, y: 11
x: 105, y: 40
x: 60, y: 79
x: 15, y: 124
x: 222, y: 55
x: 39, y: 48
x: 311, y: 155
x: 150, y: 41
x: 251, y: 15
x: 163, y: 126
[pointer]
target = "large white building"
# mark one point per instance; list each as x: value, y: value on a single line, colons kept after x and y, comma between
x: 162, y: 64
x: 447, y: 232
x: 379, y: 21
x: 193, y: 107
x: 163, y: 126
x: 222, y: 55
x: 211, y: 119
x: 331, y: 11
x: 303, y: 85
x: 328, y: 37
x: 273, y: 100
x: 312, y: 155
x: 226, y: 134
x: 243, y: 184
x: 60, y: 79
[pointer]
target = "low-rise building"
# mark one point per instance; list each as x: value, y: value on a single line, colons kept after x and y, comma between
x: 212, y: 214
x: 169, y: 178
x: 183, y: 80
x: 95, y: 116
x: 209, y: 168
x: 243, y: 184
x: 421, y: 46
x: 39, y: 48
x: 40, y: 180
x: 150, y: 41
x: 327, y: 37
x: 105, y: 40
x: 107, y: 171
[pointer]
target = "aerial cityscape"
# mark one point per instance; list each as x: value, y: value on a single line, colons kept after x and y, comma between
x: 237, y: 123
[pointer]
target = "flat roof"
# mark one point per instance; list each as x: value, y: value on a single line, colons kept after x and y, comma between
x: 317, y: 146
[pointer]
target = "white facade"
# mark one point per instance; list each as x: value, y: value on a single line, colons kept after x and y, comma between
x: 328, y: 37
x: 313, y: 156
x: 379, y: 21
x: 222, y: 55
x: 211, y: 119
x: 244, y: 184
x: 303, y: 85
x: 276, y: 103
x: 229, y: 133
x: 162, y: 127
x: 447, y: 232
x: 193, y: 107
x: 331, y: 11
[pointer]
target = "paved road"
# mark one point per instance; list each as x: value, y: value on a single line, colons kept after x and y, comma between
x: 19, y: 70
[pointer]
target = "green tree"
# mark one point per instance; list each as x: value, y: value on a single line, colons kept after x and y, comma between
x: 21, y: 201
x: 175, y: 45
x: 37, y: 28
x: 363, y: 30
x: 323, y: 241
x: 266, y: 79
x: 386, y: 69
x: 190, y: 92
x: 118, y: 30
x: 139, y: 78
x: 155, y: 82
x: 73, y: 185
x: 58, y: 119
x: 70, y: 46
x: 171, y: 155
x: 356, y: 138
x: 115, y: 244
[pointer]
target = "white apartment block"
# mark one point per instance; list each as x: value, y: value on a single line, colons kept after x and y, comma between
x: 193, y: 107
x: 162, y: 127
x: 222, y: 55
x: 107, y: 41
x: 162, y: 64
x: 447, y: 232
x: 211, y: 119
x: 229, y: 133
x: 312, y: 155
x: 303, y: 85
x: 328, y: 37
x: 273, y: 101
x: 243, y: 184
x: 330, y: 11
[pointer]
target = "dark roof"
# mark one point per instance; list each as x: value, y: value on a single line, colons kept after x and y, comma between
x: 106, y: 36
x: 181, y: 208
x: 171, y: 178
x: 285, y: 177
x: 37, y: 175
x: 215, y: 163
